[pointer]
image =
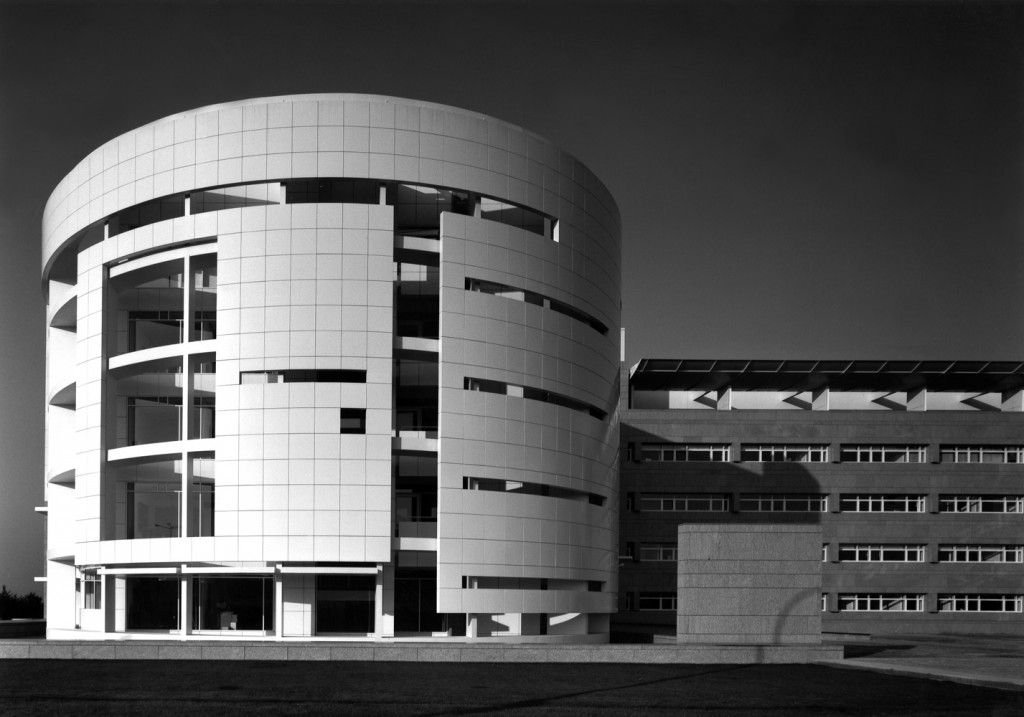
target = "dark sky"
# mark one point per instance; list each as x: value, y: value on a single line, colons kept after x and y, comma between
x: 813, y: 180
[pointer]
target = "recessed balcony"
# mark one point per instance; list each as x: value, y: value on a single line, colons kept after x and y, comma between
x: 172, y: 351
x: 157, y: 499
x: 164, y: 303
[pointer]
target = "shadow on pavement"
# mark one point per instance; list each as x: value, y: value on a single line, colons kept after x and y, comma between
x: 850, y: 651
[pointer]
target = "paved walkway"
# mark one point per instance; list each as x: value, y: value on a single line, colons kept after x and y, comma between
x: 983, y: 660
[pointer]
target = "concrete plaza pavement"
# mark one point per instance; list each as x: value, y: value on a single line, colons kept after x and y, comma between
x: 982, y: 660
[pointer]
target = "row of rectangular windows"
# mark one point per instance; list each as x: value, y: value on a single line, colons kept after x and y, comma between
x: 947, y: 602
x: 868, y: 602
x: 816, y: 503
x: 819, y: 453
x: 881, y: 553
x: 888, y: 553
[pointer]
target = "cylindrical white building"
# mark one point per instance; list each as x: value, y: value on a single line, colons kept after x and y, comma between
x: 331, y: 365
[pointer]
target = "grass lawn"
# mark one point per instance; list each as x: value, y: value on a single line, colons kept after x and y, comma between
x: 78, y: 687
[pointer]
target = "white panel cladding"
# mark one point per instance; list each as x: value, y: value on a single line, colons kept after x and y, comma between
x: 343, y: 135
x: 509, y: 437
x: 89, y: 379
x: 299, y: 598
x: 310, y: 287
x: 305, y: 287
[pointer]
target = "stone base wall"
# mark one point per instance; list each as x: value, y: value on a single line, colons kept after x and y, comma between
x: 749, y: 584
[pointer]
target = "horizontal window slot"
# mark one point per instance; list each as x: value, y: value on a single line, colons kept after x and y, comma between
x: 981, y: 553
x: 685, y: 502
x: 304, y: 376
x: 514, y: 215
x: 147, y: 213
x: 494, y: 582
x: 532, y: 297
x: 783, y: 503
x: 882, y: 454
x: 882, y: 503
x: 981, y: 504
x: 951, y: 602
x: 528, y: 488
x: 982, y: 454
x: 418, y: 209
x: 234, y: 197
x: 326, y: 191
x: 534, y: 394
x: 656, y: 552
x: 880, y: 602
x: 786, y: 453
x: 680, y: 452
x: 656, y: 601
x: 880, y: 553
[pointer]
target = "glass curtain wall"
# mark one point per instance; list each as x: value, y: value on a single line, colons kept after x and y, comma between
x: 152, y: 603
x: 345, y: 604
x: 233, y: 603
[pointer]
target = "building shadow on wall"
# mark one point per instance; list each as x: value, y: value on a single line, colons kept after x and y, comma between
x: 768, y: 493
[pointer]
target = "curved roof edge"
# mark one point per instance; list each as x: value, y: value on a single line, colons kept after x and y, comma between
x: 60, y: 189
x: 317, y: 96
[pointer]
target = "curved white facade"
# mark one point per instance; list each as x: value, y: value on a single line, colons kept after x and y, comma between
x: 331, y: 366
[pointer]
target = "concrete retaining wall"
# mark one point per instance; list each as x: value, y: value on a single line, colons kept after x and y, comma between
x: 422, y: 652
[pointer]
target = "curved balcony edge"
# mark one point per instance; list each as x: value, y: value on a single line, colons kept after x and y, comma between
x: 414, y: 344
x: 162, y: 449
x: 188, y: 244
x: 65, y: 396
x: 416, y: 444
x: 65, y: 311
x: 158, y: 353
x: 65, y: 476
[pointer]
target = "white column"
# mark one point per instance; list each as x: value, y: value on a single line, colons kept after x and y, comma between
x: 109, y: 603
x: 79, y: 598
x: 724, y: 402
x: 278, y: 603
x: 186, y: 328
x: 1013, y: 400
x: 384, y: 599
x: 917, y: 400
x: 120, y: 604
x: 187, y: 393
x: 184, y: 626
x: 186, y: 484
x: 819, y: 399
